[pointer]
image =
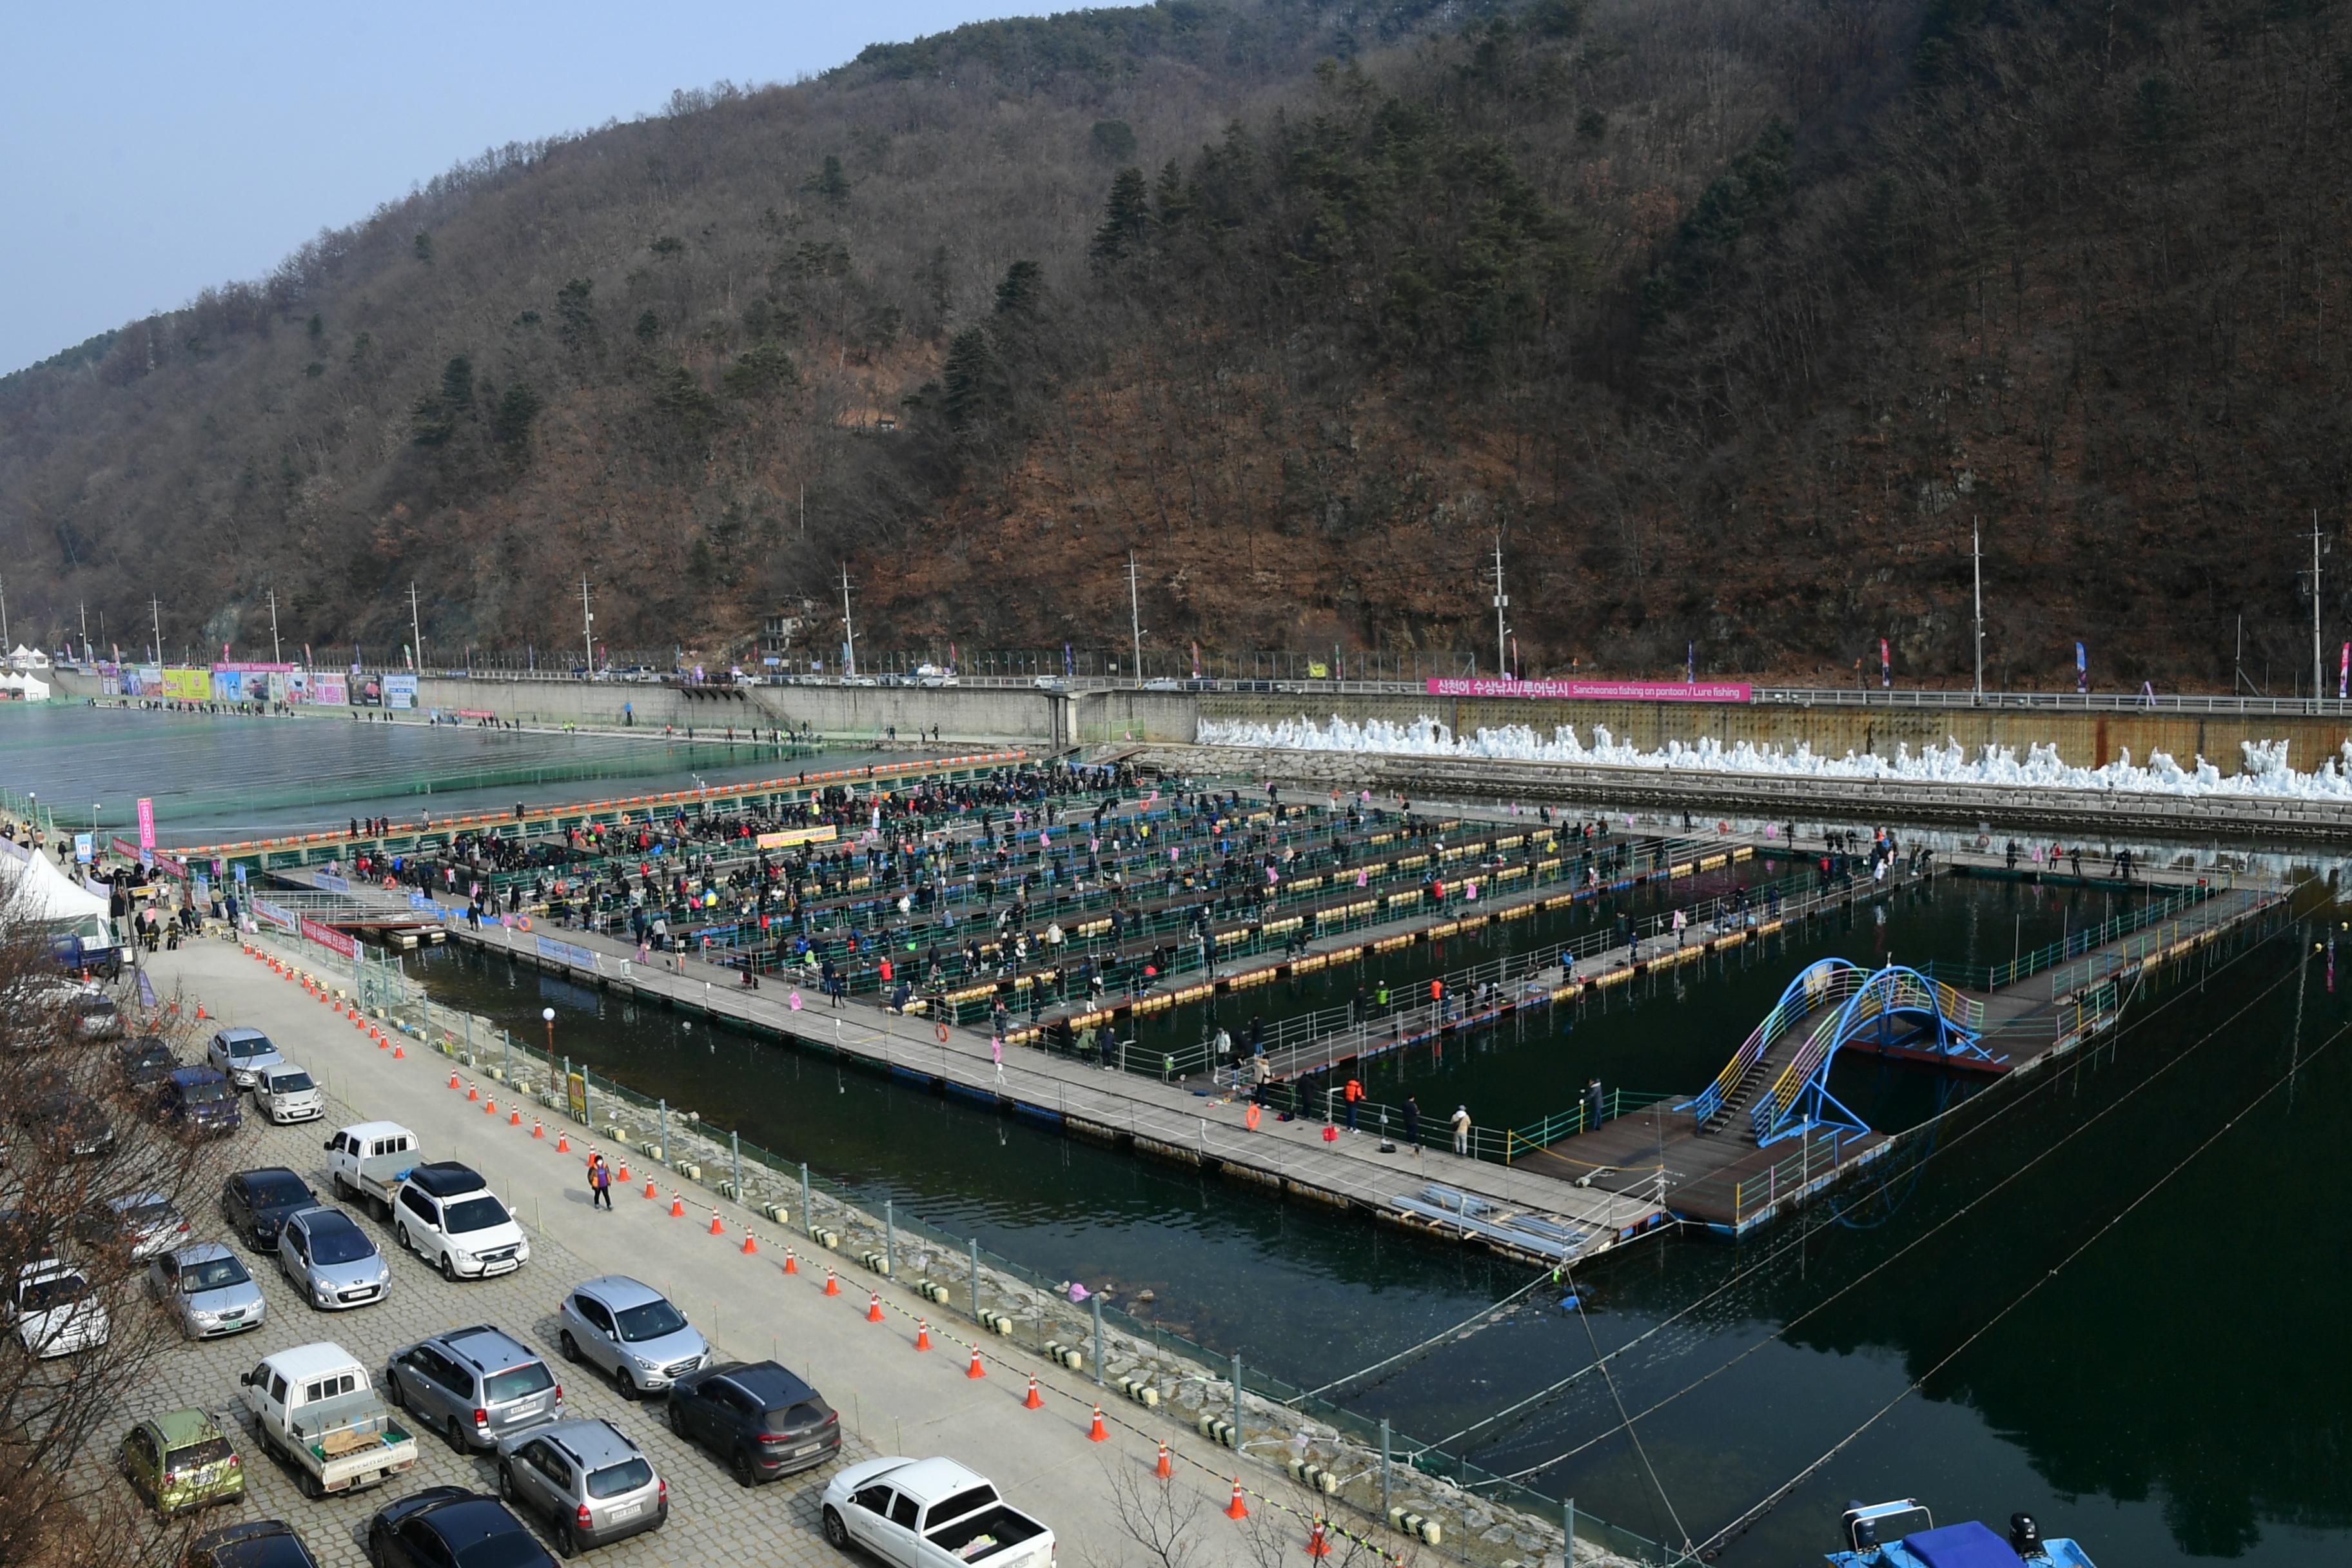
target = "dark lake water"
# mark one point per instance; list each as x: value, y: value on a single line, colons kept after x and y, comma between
x: 2118, y: 1398
x: 2119, y: 1401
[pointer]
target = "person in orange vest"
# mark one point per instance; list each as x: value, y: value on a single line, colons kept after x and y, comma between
x: 1354, y: 1095
x: 1436, y: 991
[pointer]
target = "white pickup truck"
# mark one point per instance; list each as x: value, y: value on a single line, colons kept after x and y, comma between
x: 366, y: 1161
x: 317, y: 1410
x: 930, y: 1513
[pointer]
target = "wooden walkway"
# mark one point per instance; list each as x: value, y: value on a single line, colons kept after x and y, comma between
x: 1180, y: 1121
x: 1718, y: 1175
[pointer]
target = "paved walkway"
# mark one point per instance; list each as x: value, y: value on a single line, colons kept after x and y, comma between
x: 899, y: 1400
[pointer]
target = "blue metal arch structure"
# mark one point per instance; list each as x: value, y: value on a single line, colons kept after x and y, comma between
x: 1815, y: 985
x: 1896, y: 1011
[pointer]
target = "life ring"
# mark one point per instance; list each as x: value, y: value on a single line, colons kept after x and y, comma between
x: 522, y: 923
x: 941, y: 1029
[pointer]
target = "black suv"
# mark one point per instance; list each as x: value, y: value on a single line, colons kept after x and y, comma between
x: 759, y: 1418
x: 442, y: 1525
x: 256, y: 1204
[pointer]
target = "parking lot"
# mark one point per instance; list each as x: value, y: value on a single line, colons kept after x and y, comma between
x: 711, y: 1519
x: 892, y: 1398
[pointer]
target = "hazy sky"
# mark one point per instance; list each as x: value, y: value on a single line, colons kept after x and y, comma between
x: 147, y: 150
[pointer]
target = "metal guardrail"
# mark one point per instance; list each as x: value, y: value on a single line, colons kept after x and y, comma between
x: 1993, y: 976
x: 1286, y: 675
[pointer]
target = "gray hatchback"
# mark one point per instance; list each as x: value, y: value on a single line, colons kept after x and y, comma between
x: 630, y: 1332
x: 591, y: 1485
x: 207, y: 1290
x: 473, y: 1386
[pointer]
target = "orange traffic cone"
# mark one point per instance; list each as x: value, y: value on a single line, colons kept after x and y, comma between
x: 491, y: 1106
x: 382, y: 1039
x: 831, y: 1286
x: 563, y: 1142
x: 1033, y: 1402
x: 399, y: 1053
x: 453, y: 1077
x: 715, y: 1229
x: 975, y: 1369
x: 1165, y: 1471
x: 473, y: 1090
x: 1097, y: 1435
x: 749, y: 1245
x: 1316, y: 1545
x: 791, y: 1264
x: 676, y: 1204
x: 514, y: 1117
x: 538, y: 1127
x: 622, y: 1175
x: 649, y: 1187
x: 922, y: 1335
x: 874, y: 1307
x: 200, y: 1012
x: 1237, y: 1509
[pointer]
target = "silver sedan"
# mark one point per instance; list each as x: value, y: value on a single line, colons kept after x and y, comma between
x: 331, y: 1259
x: 205, y: 1286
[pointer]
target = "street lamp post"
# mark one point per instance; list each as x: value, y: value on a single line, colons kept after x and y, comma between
x: 549, y: 1014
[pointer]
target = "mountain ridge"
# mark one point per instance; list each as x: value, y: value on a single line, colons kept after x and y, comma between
x: 1726, y: 319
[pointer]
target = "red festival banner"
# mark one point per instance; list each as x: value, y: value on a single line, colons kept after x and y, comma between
x: 328, y: 937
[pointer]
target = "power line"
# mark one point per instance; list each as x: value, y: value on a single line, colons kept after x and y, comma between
x: 1779, y: 1494
x: 1916, y: 1242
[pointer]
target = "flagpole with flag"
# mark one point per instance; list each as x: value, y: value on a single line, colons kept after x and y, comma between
x: 2081, y: 670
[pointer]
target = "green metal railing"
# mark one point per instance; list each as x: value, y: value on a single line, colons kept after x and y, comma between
x: 1984, y: 977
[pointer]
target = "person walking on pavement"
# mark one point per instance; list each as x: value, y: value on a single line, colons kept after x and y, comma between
x: 996, y: 1055
x: 1412, y: 1124
x: 600, y: 1183
x: 1462, y: 1129
x: 1354, y: 1094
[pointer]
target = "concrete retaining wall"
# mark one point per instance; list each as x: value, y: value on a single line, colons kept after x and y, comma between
x: 2084, y: 740
x: 857, y: 710
x: 1048, y: 720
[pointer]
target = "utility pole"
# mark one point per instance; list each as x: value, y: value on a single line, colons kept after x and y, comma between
x: 4, y: 643
x: 1502, y: 600
x: 1135, y: 617
x: 587, y: 628
x: 85, y: 630
x: 155, y: 613
x: 2317, y: 678
x: 803, y: 511
x: 275, y: 657
x: 849, y: 628
x: 1976, y: 550
x: 416, y: 633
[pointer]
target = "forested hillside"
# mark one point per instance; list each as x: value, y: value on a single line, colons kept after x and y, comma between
x: 1728, y: 316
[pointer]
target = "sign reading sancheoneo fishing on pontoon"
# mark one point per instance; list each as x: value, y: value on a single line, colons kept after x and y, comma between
x: 1596, y: 691
x: 823, y: 834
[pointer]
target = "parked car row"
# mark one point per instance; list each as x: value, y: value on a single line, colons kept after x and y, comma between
x: 339, y: 1425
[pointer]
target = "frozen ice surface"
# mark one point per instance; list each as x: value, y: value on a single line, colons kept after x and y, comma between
x: 2267, y: 771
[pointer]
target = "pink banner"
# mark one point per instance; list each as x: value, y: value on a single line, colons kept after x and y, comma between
x: 328, y: 937
x: 146, y: 823
x: 1598, y: 690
